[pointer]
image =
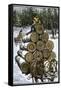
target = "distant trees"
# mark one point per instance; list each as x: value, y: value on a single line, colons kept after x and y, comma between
x: 48, y: 16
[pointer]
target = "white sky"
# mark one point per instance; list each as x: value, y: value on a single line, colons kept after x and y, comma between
x: 19, y: 8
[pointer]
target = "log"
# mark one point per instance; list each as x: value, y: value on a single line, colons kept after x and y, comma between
x: 29, y: 32
x: 17, y: 61
x: 49, y: 45
x: 37, y: 55
x: 23, y: 48
x: 19, y: 54
x: 45, y: 37
x: 36, y: 68
x: 29, y: 57
x: 34, y: 37
x: 26, y: 40
x: 52, y: 56
x: 33, y: 68
x: 40, y: 45
x: 31, y: 47
x: 46, y: 53
x: 39, y: 28
x: 25, y: 68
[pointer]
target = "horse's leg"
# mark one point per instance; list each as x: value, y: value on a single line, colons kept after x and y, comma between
x: 32, y: 79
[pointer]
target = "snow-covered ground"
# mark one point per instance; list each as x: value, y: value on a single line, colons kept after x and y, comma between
x: 18, y: 77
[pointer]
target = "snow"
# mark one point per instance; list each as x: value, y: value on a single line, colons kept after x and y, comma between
x: 18, y: 77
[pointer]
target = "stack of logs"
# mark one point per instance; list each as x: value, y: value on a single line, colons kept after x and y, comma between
x: 40, y: 60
